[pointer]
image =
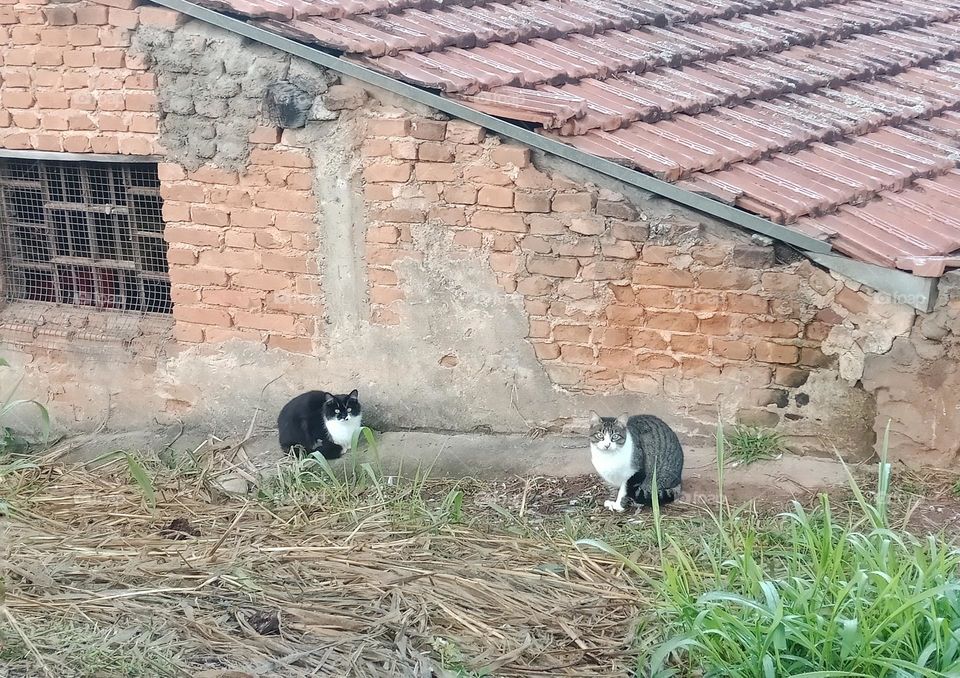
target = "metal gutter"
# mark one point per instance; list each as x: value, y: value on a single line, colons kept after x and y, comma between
x: 900, y: 287
x: 76, y: 157
x: 895, y: 283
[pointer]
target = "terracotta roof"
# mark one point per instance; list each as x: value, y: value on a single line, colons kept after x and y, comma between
x: 836, y: 118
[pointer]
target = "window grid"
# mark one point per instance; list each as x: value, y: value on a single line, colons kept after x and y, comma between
x: 84, y: 234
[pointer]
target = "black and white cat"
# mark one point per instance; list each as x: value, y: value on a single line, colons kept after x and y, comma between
x: 626, y: 450
x: 320, y: 422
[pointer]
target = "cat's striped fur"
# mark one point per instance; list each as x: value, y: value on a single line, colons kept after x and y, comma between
x: 626, y: 450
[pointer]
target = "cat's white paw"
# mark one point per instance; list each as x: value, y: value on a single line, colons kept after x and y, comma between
x: 613, y: 505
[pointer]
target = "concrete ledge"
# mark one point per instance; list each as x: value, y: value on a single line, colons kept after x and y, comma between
x: 498, y: 456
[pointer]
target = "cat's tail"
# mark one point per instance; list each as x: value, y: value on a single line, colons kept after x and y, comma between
x: 665, y: 495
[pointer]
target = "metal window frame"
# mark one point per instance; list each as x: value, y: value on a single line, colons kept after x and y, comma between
x: 895, y: 283
x: 49, y: 164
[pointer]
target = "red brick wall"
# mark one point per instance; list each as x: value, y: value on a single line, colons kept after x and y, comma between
x: 617, y: 300
x: 242, y: 245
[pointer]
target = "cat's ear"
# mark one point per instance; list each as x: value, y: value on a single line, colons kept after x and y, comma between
x: 622, y: 420
x: 594, y: 418
x: 353, y: 395
x: 327, y: 397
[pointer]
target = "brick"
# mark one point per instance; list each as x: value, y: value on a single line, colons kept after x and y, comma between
x: 432, y: 171
x: 533, y: 202
x: 201, y: 315
x: 192, y: 235
x: 504, y: 243
x: 404, y: 149
x: 378, y: 255
x: 750, y: 256
x: 616, y: 359
x: 460, y: 195
x: 535, y: 286
x: 388, y: 173
x: 388, y: 127
x: 619, y: 250
x: 289, y: 201
x: 140, y: 101
x: 616, y: 209
x: 689, y: 343
x: 300, y: 223
x: 814, y: 357
x: 383, y: 234
x: 123, y: 18
x: 14, y: 99
x: 546, y: 351
x: 24, y: 35
x: 76, y: 144
x: 732, y: 350
x: 727, y: 279
x: 432, y: 151
x: 648, y: 339
x: 573, y: 333
x: 676, y: 322
x: 430, y: 130
x: 181, y: 256
x: 271, y: 322
x: 656, y: 297
x: 233, y: 259
x: 188, y: 333
x: 578, y: 355
x: 109, y: 58
x: 553, y: 266
x: 791, y: 377
x: 854, y: 302
x: 603, y: 270
x: 161, y: 17
x: 485, y: 175
x: 777, y: 328
x: 83, y: 36
x: 614, y: 337
x: 641, y: 383
x: 747, y: 303
x: 451, y: 216
x: 230, y: 298
x: 290, y: 344
x: 769, y: 352
x: 498, y: 221
x: 539, y: 329
x: 781, y: 284
x: 103, y: 144
x: 660, y: 276
x: 136, y: 146
x: 210, y: 216
x: 259, y: 156
x: 402, y: 215
x: 16, y: 141
x: 495, y: 196
x: 573, y: 202
x: 59, y: 16
x: 622, y: 314
x: 256, y: 280
x: 379, y: 276
x: 717, y: 324
x: 385, y: 295
x: 517, y: 156
x: 535, y: 306
x: 26, y: 120
x: 545, y: 225
x: 53, y: 56
x: 655, y: 361
x: 272, y: 261
x: 53, y: 100
x: 532, y: 243
x: 505, y: 263
x: 92, y: 15
x: 588, y: 225
x: 51, y: 142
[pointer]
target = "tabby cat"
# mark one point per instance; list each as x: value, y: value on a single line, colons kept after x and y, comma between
x: 626, y: 450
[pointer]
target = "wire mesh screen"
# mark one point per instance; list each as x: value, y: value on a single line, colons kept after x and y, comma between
x: 83, y: 236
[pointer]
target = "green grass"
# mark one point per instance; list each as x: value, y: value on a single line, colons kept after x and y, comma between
x: 830, y: 597
x: 748, y: 444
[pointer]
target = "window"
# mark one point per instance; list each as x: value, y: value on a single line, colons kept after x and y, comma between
x: 84, y: 234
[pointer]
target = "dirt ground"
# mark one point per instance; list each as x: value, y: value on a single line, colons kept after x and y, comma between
x: 105, y: 575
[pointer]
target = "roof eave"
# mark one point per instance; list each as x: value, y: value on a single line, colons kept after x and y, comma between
x: 921, y: 290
